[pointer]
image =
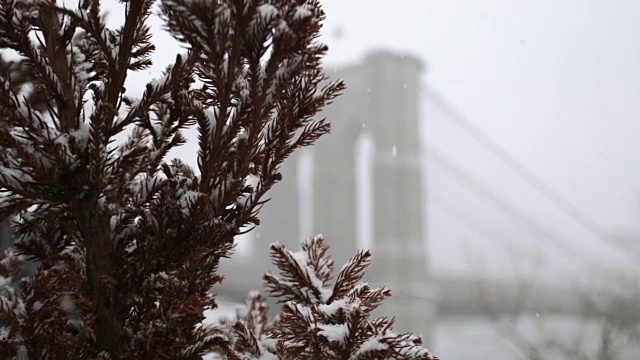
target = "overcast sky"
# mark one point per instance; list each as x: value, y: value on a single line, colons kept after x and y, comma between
x: 554, y: 82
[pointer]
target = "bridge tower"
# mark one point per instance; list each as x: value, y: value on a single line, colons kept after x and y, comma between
x: 321, y: 194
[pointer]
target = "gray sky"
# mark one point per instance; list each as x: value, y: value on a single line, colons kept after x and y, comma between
x: 554, y: 82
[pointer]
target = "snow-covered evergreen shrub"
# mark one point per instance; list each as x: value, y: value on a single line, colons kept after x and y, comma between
x: 128, y: 241
x: 319, y: 319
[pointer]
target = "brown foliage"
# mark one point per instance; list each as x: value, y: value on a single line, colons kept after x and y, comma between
x: 129, y: 242
x: 319, y: 320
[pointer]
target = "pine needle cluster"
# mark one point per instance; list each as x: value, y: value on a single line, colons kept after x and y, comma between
x: 319, y: 319
x: 127, y: 240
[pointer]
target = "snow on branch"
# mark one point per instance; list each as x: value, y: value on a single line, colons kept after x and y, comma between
x: 105, y: 218
x: 335, y: 323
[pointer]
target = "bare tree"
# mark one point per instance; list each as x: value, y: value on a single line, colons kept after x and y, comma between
x: 605, y: 321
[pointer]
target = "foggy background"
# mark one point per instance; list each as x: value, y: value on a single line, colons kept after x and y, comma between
x: 533, y: 170
x: 531, y: 146
x: 553, y: 83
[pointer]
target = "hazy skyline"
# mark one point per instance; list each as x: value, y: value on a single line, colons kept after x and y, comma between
x: 553, y: 83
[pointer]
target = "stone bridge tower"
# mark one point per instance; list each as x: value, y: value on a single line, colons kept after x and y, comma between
x: 322, y: 191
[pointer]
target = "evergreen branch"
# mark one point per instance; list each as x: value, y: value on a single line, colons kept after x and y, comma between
x: 351, y: 273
